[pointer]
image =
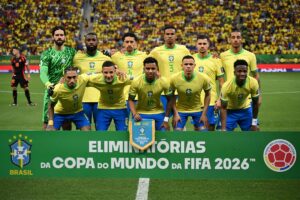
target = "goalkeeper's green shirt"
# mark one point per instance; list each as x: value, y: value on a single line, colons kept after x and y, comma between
x: 53, y: 63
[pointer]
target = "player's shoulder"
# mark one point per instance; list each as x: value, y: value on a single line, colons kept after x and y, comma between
x: 79, y: 54
x: 176, y: 76
x: 225, y: 53
x: 141, y: 53
x: 252, y: 80
x: 181, y: 46
x: 159, y: 48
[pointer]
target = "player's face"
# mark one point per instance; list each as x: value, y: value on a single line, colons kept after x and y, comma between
x: 109, y: 73
x: 188, y: 66
x: 202, y: 45
x: 150, y: 70
x: 236, y: 39
x: 129, y: 44
x: 15, y: 52
x: 170, y: 36
x: 240, y: 72
x: 59, y: 37
x: 91, y: 42
x: 71, y: 78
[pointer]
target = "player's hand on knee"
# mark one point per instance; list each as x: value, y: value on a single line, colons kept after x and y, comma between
x: 254, y: 128
x: 204, y: 120
x: 176, y: 119
x: 166, y: 126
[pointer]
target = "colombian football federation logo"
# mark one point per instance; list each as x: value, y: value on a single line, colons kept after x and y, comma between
x: 20, y: 150
x: 280, y: 155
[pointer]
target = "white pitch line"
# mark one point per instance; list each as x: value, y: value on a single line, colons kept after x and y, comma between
x: 143, y: 188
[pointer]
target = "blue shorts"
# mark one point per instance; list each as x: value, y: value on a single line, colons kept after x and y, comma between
x: 242, y: 117
x: 210, y: 114
x: 158, y: 118
x: 127, y: 105
x: 79, y: 119
x: 104, y: 117
x: 90, y: 110
x: 164, y: 101
x: 184, y: 117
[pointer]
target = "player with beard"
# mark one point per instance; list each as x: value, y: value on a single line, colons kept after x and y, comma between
x: 169, y: 56
x: 212, y: 67
x: 52, y: 64
x: 131, y: 60
x: 67, y: 98
x: 189, y: 85
x: 90, y: 62
x: 235, y: 107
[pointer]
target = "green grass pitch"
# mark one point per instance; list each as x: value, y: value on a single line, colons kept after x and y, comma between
x: 280, y: 111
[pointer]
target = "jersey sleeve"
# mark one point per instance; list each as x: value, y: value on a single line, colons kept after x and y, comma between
x: 55, y: 95
x: 133, y: 90
x: 224, y: 94
x: 219, y: 70
x: 166, y: 86
x: 44, y: 63
x: 206, y: 83
x: 254, y: 89
x: 253, y: 64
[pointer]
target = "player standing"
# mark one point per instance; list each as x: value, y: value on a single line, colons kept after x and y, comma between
x: 169, y: 56
x: 212, y: 67
x: 52, y: 64
x: 18, y: 63
x: 90, y: 62
x: 131, y: 60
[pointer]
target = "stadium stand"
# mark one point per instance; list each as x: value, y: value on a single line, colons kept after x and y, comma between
x: 269, y: 27
x: 28, y: 23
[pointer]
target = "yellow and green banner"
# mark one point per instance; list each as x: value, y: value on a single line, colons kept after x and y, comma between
x: 174, y: 155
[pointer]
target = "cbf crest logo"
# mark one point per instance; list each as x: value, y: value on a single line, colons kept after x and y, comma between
x: 92, y: 65
x: 201, y: 69
x: 188, y: 92
x: 171, y: 58
x: 150, y: 93
x: 280, y: 155
x: 20, y: 150
x: 142, y: 133
x: 129, y: 64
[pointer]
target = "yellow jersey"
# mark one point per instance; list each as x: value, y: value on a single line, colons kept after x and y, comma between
x: 112, y: 94
x: 149, y: 94
x: 131, y: 64
x: 212, y: 67
x: 69, y: 101
x: 229, y: 57
x: 237, y: 96
x: 90, y: 65
x: 189, y: 91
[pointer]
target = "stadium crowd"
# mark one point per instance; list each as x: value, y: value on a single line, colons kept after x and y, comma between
x: 269, y: 27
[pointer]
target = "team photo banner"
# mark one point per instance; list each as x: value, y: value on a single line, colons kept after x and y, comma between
x: 174, y: 155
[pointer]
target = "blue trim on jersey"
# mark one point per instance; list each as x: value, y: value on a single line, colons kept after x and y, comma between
x: 79, y: 119
x: 242, y: 117
x: 105, y: 116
